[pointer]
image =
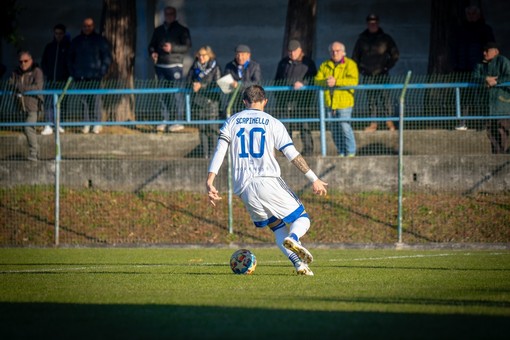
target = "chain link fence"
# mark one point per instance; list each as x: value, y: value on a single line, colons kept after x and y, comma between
x: 137, y: 177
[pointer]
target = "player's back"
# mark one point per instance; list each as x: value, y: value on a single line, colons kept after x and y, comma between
x: 254, y: 135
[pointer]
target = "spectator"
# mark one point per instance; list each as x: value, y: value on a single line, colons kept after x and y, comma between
x: 494, y: 70
x: 169, y: 44
x: 89, y: 60
x: 203, y: 75
x: 376, y: 53
x: 339, y: 71
x: 28, y: 77
x: 245, y: 71
x: 252, y: 137
x: 296, y: 70
x: 472, y: 36
x: 54, y: 67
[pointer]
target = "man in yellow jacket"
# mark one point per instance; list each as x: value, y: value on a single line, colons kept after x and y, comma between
x: 339, y: 71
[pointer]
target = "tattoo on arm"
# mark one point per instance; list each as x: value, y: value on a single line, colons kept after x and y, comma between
x: 301, y: 164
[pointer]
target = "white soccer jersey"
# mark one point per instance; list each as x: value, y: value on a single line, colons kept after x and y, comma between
x: 253, y: 136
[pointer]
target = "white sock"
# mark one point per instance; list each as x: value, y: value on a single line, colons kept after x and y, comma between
x: 299, y: 227
x: 279, y: 235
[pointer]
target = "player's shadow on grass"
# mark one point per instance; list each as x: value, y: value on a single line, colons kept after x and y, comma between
x: 164, y: 321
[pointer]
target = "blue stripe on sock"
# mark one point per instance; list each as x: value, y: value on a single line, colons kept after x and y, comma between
x: 294, y: 258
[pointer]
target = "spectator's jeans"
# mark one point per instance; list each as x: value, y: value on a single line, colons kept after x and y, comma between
x: 342, y: 133
x: 89, y: 105
x: 173, y: 75
x: 31, y: 134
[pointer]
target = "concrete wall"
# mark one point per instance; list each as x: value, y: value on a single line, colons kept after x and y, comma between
x: 437, y: 160
x: 463, y: 174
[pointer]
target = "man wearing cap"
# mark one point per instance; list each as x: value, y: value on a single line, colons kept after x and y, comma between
x: 244, y: 71
x: 376, y: 53
x: 492, y: 71
x: 296, y: 70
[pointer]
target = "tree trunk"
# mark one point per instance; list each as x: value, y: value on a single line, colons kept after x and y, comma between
x: 446, y: 17
x: 300, y: 24
x: 119, y: 28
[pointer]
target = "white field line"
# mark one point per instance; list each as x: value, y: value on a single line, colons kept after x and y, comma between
x: 85, y: 268
x: 413, y: 256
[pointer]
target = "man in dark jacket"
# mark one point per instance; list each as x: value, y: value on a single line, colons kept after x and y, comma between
x: 296, y: 70
x: 376, y: 53
x: 55, y: 68
x: 169, y: 44
x: 28, y: 77
x: 492, y: 71
x: 244, y: 70
x: 89, y: 60
x: 472, y: 36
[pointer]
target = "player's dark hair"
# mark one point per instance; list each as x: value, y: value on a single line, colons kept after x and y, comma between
x: 253, y: 94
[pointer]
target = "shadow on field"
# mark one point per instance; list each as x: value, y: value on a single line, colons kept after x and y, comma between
x: 93, y: 321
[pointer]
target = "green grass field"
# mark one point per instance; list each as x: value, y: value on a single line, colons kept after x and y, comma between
x: 191, y: 293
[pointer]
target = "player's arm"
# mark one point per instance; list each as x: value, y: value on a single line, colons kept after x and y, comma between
x: 212, y: 192
x: 319, y: 187
x: 214, y: 168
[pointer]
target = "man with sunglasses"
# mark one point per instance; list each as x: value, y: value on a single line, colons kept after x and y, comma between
x: 28, y: 77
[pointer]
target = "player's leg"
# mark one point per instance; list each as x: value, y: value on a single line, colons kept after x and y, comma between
x: 280, y: 233
x: 298, y: 229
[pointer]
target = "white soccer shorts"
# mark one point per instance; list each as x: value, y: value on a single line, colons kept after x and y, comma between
x: 268, y: 199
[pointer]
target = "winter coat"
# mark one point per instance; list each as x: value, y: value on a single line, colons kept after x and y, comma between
x: 499, y: 97
x: 89, y: 57
x: 204, y: 101
x: 177, y: 35
x: 288, y: 71
x: 54, y: 60
x: 251, y: 72
x: 375, y: 53
x: 30, y: 80
x: 346, y: 74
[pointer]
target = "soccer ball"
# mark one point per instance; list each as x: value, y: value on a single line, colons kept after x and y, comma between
x: 243, y: 261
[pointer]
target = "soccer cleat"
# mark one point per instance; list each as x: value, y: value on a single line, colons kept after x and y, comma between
x: 303, y: 269
x: 298, y: 249
x: 86, y: 129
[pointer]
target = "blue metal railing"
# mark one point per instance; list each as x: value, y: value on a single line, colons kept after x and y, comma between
x: 322, y: 118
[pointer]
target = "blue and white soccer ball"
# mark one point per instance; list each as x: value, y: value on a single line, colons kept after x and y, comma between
x: 243, y: 261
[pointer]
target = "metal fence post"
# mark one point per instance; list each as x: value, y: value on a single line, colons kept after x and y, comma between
x: 230, y: 190
x: 400, y: 156
x: 58, y: 156
x: 322, y: 124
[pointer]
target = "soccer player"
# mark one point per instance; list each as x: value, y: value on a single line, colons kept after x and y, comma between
x: 253, y: 135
